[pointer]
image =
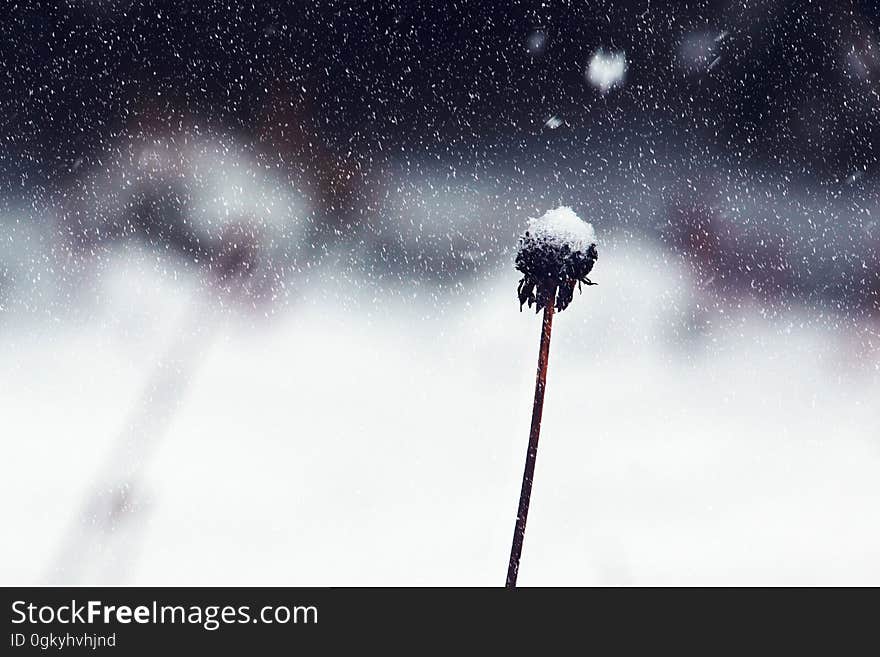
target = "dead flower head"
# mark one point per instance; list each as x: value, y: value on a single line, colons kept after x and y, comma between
x: 557, y: 251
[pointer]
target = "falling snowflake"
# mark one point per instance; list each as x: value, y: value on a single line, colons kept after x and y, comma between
x: 606, y: 70
x: 553, y: 122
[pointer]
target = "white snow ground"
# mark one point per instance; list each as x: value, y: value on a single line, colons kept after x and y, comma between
x: 350, y: 443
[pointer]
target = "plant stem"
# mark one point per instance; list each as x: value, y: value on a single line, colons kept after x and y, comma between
x: 532, y: 454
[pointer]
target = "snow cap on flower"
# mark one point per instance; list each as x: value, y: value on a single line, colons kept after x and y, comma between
x: 557, y: 250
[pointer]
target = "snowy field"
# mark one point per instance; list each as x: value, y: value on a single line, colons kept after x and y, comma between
x: 370, y: 436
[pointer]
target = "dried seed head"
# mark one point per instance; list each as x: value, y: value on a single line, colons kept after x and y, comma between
x: 557, y: 251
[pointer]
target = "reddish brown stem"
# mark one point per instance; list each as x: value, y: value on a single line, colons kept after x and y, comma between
x: 532, y: 454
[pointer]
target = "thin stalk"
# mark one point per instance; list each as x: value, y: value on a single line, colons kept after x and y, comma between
x: 532, y: 454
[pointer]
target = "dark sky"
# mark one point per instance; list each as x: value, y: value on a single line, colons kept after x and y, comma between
x: 794, y: 87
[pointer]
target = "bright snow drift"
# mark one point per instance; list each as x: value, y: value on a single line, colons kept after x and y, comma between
x: 557, y: 251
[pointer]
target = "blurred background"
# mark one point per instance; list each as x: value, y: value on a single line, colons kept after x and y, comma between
x: 258, y: 314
